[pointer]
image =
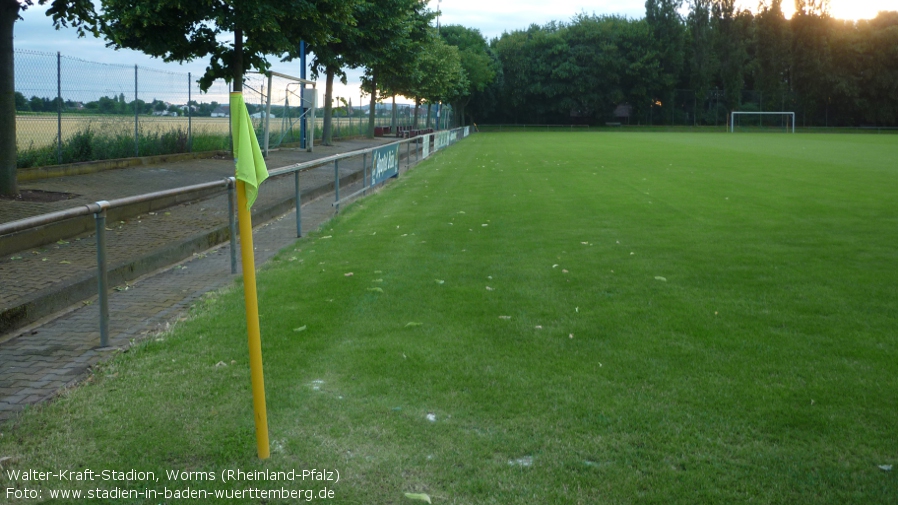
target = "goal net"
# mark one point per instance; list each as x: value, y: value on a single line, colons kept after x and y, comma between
x: 282, y: 108
x: 762, y: 121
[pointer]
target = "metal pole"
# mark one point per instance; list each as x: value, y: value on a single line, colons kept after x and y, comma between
x: 189, y: 117
x: 232, y: 222
x: 136, y: 112
x: 365, y: 173
x: 268, y: 114
x: 302, y: 105
x: 102, y: 276
x: 58, y: 108
x: 337, y: 185
x: 298, y: 204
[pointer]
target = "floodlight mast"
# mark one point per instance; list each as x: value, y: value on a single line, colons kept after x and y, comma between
x: 782, y: 113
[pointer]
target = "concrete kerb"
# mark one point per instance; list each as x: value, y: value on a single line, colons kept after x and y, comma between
x: 56, y: 298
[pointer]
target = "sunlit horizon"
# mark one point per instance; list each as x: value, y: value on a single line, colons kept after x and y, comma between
x: 852, y: 10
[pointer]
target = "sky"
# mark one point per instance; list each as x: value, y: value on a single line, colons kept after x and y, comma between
x: 35, y: 31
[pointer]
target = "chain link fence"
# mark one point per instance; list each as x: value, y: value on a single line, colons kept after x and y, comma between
x: 70, y: 110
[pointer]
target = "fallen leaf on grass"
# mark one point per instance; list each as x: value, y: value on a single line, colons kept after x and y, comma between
x: 659, y: 278
x: 570, y: 336
x: 301, y: 328
x: 489, y: 289
x: 413, y: 324
x: 65, y: 262
x: 555, y: 265
x: 14, y: 258
x: 432, y: 417
x: 505, y: 317
x: 418, y: 496
x: 885, y: 468
x: 348, y: 274
x: 564, y: 271
x: 439, y: 281
x: 376, y: 290
x: 538, y: 327
x: 61, y: 242
x: 525, y: 461
x: 327, y: 236
x: 221, y: 363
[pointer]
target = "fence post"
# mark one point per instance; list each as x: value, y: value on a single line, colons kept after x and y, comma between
x: 58, y: 108
x: 365, y: 173
x: 136, y: 112
x: 268, y: 114
x: 232, y: 225
x: 102, y: 276
x: 337, y: 185
x: 297, y: 192
x: 189, y: 118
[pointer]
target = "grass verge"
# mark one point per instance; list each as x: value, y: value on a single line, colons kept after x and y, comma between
x: 598, y: 318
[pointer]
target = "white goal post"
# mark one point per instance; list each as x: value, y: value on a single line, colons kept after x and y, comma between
x: 295, y: 105
x: 734, y: 114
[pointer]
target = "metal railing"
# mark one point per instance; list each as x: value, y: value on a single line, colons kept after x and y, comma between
x: 99, y: 209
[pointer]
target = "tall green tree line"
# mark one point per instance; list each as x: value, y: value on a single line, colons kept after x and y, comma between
x: 669, y: 68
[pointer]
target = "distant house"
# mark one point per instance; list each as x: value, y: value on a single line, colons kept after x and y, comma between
x: 260, y: 115
x: 164, y: 113
x: 222, y: 111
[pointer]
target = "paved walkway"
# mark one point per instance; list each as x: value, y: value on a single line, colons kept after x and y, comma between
x: 36, y: 362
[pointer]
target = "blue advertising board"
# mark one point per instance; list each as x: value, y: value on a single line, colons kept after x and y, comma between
x: 385, y: 163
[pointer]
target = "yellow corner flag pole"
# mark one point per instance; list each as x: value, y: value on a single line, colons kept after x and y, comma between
x: 253, y: 331
x: 251, y: 172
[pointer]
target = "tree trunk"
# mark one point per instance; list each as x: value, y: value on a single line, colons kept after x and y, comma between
x: 372, y: 110
x: 327, y: 127
x: 393, y: 116
x: 237, y: 62
x: 417, y: 105
x: 9, y: 12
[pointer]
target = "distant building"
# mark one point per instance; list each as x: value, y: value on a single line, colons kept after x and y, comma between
x: 222, y: 111
x: 260, y: 115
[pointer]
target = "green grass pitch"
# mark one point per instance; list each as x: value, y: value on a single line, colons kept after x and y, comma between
x: 547, y: 318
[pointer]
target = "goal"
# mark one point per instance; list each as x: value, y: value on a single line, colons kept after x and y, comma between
x: 282, y: 108
x: 788, y: 117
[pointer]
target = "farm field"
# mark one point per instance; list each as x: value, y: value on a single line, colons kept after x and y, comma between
x: 529, y: 318
x: 34, y: 131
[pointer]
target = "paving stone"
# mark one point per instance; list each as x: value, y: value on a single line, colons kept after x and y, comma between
x: 61, y: 351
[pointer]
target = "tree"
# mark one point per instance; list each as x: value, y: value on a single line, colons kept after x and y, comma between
x: 390, y: 30
x: 702, y: 61
x: 478, y: 63
x: 438, y: 73
x: 772, y: 53
x: 330, y: 57
x: 668, y: 36
x: 62, y: 12
x: 730, y: 46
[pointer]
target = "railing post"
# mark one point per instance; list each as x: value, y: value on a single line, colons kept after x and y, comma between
x: 298, y: 204
x: 232, y: 224
x: 337, y: 185
x: 102, y: 276
x: 365, y: 173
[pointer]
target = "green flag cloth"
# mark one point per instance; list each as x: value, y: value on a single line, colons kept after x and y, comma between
x: 248, y: 158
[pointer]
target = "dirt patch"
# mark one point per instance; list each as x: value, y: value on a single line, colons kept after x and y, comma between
x: 36, y: 195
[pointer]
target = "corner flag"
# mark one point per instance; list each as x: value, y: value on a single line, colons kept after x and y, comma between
x: 248, y: 158
x: 251, y: 172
